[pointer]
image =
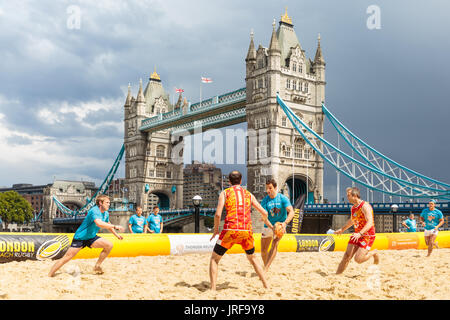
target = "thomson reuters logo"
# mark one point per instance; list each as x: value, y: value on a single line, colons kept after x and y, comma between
x: 50, y: 249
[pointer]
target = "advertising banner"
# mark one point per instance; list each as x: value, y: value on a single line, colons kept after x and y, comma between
x: 42, y: 246
x: 20, y: 247
x: 191, y: 243
x: 314, y: 243
x: 403, y: 241
x: 299, y: 207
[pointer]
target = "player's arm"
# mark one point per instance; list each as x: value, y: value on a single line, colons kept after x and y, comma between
x: 441, y: 222
x: 263, y: 212
x: 290, y: 216
x: 405, y: 225
x: 421, y: 219
x: 218, y: 214
x: 345, y: 227
x: 145, y: 226
x: 290, y: 211
x: 109, y: 226
x: 161, y: 225
x: 368, y: 214
x: 129, y: 228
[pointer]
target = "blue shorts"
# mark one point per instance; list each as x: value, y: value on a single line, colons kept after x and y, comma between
x: 83, y: 243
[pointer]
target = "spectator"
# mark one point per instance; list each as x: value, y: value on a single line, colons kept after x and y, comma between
x: 154, y: 221
x: 137, y: 222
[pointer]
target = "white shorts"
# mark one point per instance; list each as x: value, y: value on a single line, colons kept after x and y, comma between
x: 267, y: 232
x: 431, y: 232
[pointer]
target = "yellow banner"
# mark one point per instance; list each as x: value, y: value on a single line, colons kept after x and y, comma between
x: 40, y: 246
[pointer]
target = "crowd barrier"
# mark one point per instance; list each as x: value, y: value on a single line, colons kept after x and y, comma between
x: 41, y: 246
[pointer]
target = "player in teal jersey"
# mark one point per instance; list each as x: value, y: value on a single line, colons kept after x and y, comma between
x: 86, y: 235
x: 280, y: 210
x: 137, y: 222
x: 431, y: 218
x: 410, y: 223
x: 154, y: 221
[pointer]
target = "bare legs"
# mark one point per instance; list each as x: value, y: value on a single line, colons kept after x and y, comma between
x: 348, y: 255
x: 214, y: 264
x: 268, y: 257
x: 72, y: 252
x: 258, y: 269
x: 107, y: 247
x: 361, y: 255
x: 265, y: 243
x: 430, y: 241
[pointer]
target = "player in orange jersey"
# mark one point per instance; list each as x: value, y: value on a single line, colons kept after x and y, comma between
x: 364, y: 236
x: 237, y: 228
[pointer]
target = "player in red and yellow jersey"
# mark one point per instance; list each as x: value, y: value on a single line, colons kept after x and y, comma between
x: 362, y: 239
x: 237, y: 228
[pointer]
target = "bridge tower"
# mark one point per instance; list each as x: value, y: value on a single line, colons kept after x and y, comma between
x: 280, y: 152
x: 149, y: 167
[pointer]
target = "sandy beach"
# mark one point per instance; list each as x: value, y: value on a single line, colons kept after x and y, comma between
x: 402, y: 274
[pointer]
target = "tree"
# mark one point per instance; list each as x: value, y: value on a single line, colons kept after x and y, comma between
x: 14, y: 208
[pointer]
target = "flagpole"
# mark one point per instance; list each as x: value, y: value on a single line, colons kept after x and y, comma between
x: 200, y: 92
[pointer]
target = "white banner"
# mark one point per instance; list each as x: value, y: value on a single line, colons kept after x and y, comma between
x: 196, y: 243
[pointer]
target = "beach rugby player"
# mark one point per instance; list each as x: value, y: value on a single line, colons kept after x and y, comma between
x: 86, y: 235
x: 361, y: 240
x: 432, y: 219
x: 237, y: 228
x: 280, y: 210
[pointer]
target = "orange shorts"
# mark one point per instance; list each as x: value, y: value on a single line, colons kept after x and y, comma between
x: 228, y: 238
x: 364, y: 242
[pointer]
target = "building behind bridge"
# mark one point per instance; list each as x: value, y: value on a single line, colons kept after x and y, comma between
x: 204, y: 180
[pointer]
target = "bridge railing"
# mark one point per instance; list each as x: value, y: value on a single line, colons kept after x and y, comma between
x: 378, y: 208
x: 170, y: 215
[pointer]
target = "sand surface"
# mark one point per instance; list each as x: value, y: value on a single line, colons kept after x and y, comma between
x: 402, y: 274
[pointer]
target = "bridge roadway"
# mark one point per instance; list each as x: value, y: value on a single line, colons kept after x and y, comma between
x: 173, y: 216
x: 216, y: 112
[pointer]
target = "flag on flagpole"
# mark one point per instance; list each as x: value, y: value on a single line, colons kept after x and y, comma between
x: 179, y: 90
x: 206, y: 80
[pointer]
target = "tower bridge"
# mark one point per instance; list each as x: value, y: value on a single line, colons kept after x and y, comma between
x: 154, y: 128
x: 283, y: 104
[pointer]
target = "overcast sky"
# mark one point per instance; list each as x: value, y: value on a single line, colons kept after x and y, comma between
x: 63, y: 84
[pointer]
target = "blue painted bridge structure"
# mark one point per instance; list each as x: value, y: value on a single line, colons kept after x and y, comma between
x: 329, y: 209
x: 168, y: 216
x: 363, y: 165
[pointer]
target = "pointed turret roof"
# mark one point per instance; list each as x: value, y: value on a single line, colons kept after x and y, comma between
x: 287, y: 37
x: 140, y: 96
x: 155, y: 90
x: 128, y: 100
x: 274, y: 45
x: 180, y: 99
x: 318, y: 59
x: 251, y: 55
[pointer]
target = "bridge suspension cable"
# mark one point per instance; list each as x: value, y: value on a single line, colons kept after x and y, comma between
x: 367, y: 173
x: 381, y: 162
x: 101, y: 190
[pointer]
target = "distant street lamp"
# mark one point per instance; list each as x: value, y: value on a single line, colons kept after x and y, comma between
x: 394, y: 209
x: 197, y: 200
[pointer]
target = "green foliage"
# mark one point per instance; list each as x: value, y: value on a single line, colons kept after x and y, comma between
x: 14, y: 208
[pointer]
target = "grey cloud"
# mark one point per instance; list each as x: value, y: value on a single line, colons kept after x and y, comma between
x: 389, y: 86
x: 19, y: 140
